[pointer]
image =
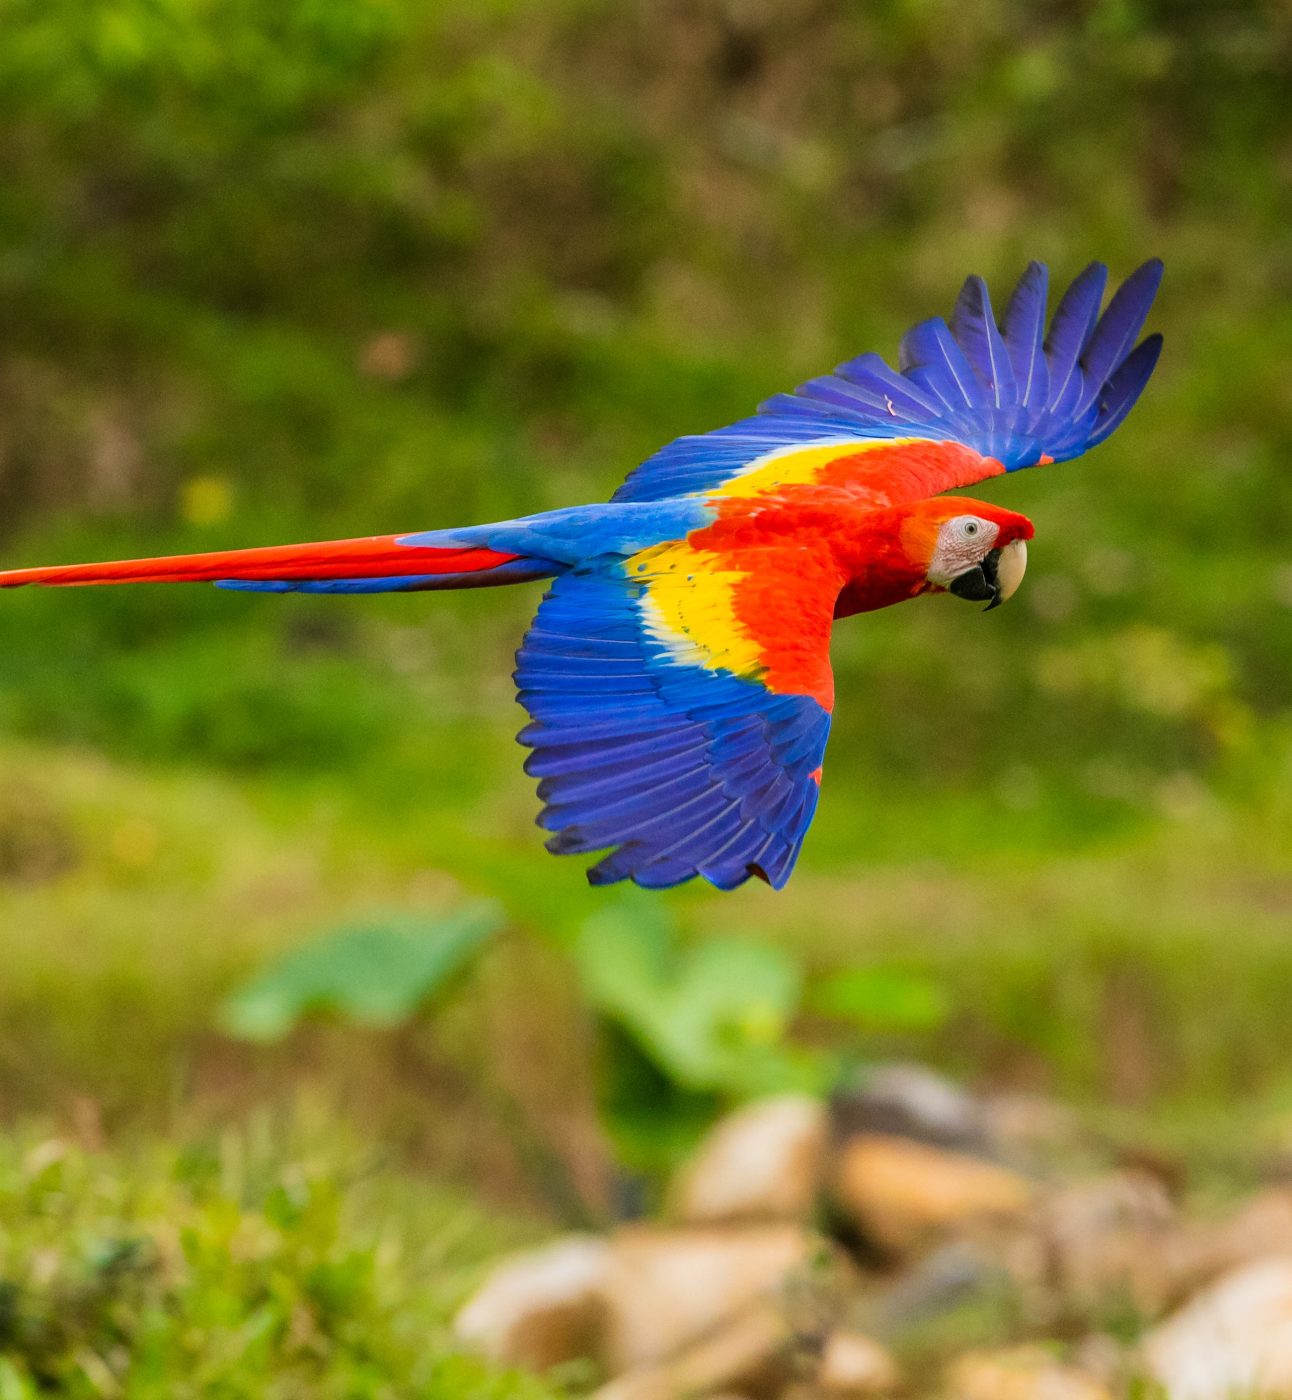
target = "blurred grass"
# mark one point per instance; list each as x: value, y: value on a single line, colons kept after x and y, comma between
x: 260, y: 1262
x: 313, y: 270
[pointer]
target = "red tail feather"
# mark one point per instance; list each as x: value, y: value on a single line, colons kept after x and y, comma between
x: 380, y: 556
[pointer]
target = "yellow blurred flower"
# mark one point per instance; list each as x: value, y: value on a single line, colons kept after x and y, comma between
x: 206, y: 500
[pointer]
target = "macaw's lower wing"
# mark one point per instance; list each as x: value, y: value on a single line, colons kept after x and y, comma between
x: 377, y: 564
x: 668, y: 727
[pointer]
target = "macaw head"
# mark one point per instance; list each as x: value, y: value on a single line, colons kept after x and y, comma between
x: 974, y: 550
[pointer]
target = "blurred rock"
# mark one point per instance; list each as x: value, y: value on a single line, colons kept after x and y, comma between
x: 750, y: 1351
x: 904, y: 1196
x: 668, y: 1288
x: 1111, y: 1235
x: 1168, y: 1168
x: 902, y: 1100
x: 854, y: 1365
x: 957, y: 1275
x: 763, y: 1162
x: 1263, y: 1226
x: 541, y: 1308
x: 1030, y: 1127
x: 1105, y: 1359
x: 1121, y: 1235
x: 742, y: 1300
x: 1233, y: 1339
x: 1019, y: 1373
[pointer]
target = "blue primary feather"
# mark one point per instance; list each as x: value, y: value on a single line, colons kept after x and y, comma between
x: 1024, y: 330
x: 930, y: 357
x: 673, y: 769
x: 1014, y: 392
x: 1115, y: 333
x: 1074, y: 319
x: 974, y: 327
x: 898, y: 396
x: 1125, y: 386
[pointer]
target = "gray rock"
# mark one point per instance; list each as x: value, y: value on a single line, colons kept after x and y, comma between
x: 955, y: 1276
x: 909, y: 1100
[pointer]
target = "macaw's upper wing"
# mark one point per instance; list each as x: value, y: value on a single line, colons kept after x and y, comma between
x: 969, y: 400
x: 680, y: 710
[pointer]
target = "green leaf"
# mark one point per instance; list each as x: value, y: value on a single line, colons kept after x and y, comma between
x: 375, y: 974
x: 881, y: 999
x: 712, y: 1017
x: 622, y: 956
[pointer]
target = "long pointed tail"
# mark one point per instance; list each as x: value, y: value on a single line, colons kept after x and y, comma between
x: 378, y: 564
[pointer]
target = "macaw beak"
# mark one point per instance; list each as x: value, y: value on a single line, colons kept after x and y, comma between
x: 996, y: 579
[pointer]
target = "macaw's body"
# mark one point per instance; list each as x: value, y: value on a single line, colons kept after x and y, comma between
x: 677, y: 673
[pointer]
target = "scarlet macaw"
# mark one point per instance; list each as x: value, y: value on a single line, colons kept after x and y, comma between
x: 677, y: 673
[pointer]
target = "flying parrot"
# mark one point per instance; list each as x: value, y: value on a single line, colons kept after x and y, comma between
x: 677, y: 673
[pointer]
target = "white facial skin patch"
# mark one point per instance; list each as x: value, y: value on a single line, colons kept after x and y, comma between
x: 963, y: 542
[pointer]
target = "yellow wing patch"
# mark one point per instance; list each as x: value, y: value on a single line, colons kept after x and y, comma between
x: 798, y: 466
x: 689, y: 607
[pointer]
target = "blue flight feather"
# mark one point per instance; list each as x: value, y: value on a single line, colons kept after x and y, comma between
x: 1118, y: 329
x: 930, y: 356
x: 1125, y: 386
x: 1075, y: 318
x: 973, y: 325
x: 1024, y: 329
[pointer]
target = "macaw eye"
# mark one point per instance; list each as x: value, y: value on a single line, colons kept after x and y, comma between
x: 969, y: 528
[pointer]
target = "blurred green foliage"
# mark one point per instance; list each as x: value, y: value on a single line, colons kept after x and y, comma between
x: 883, y: 999
x: 712, y: 1018
x: 379, y: 973
x: 684, y: 1032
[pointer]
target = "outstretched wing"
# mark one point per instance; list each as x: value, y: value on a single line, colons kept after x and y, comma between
x: 677, y: 718
x: 969, y: 400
